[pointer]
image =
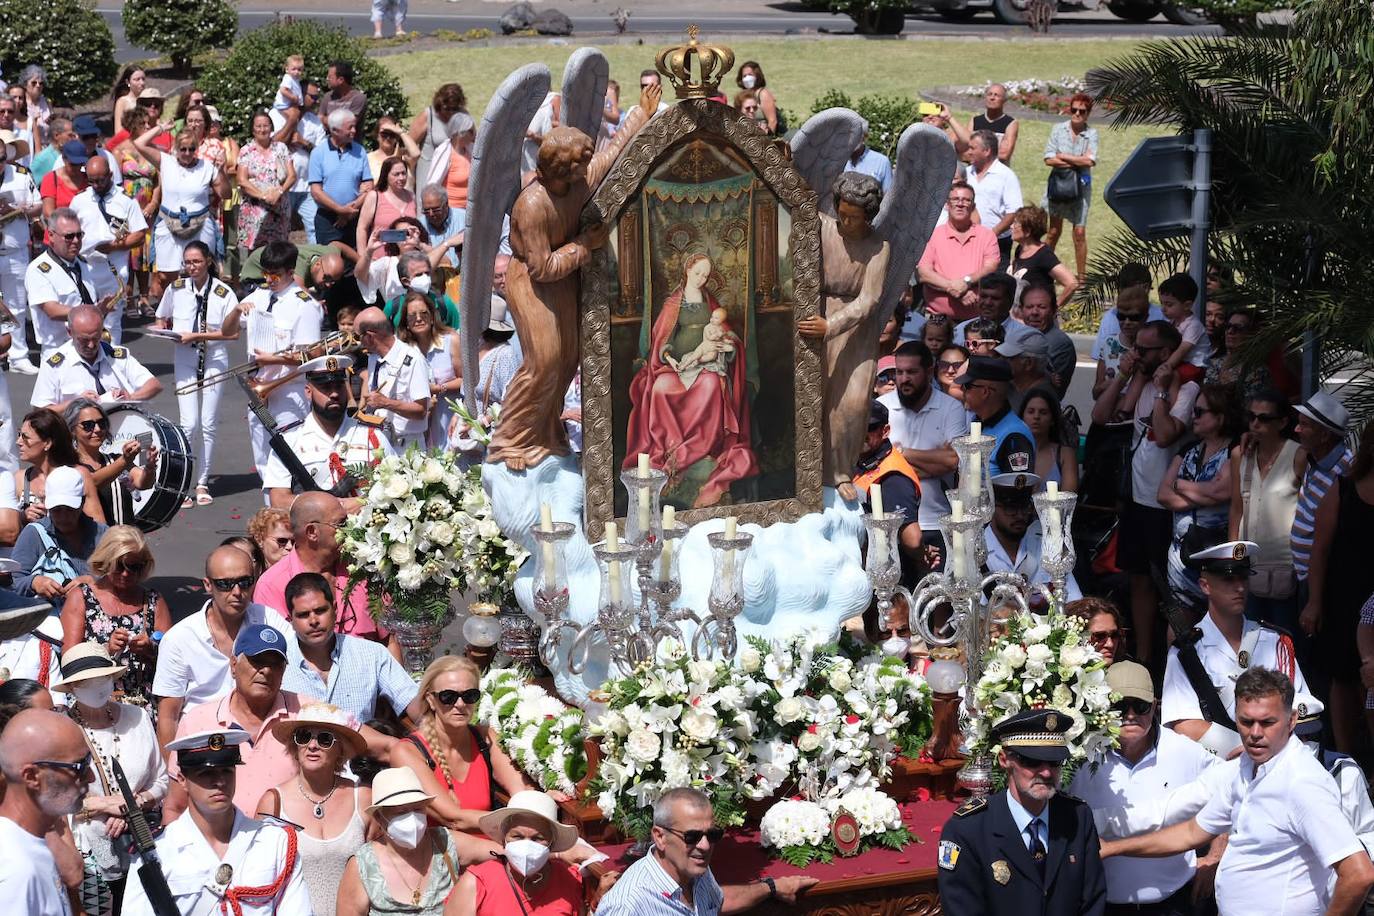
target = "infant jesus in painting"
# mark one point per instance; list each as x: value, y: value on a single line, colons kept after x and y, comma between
x: 710, y: 354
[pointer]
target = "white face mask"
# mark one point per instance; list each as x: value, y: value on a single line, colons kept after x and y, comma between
x: 95, y: 692
x: 748, y: 80
x: 407, y: 829
x: 420, y: 284
x: 526, y: 856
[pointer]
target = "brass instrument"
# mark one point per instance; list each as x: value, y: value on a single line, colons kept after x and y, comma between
x: 335, y: 342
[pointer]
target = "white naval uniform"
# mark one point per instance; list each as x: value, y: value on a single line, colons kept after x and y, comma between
x: 21, y: 656
x: 1027, y: 560
x: 354, y: 444
x: 47, y: 280
x: 256, y: 854
x: 9, y: 427
x: 122, y: 210
x: 403, y: 374
x: 293, y: 319
x: 63, y: 374
x: 198, y: 409
x: 1178, y: 701
x: 17, y: 183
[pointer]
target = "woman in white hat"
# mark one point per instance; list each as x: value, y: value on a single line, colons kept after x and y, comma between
x: 326, y: 805
x: 525, y: 878
x: 412, y: 867
x: 114, y: 731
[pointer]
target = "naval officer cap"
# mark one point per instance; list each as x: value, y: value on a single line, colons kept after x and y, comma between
x: 325, y: 369
x: 1036, y: 734
x: 1014, y: 489
x: 209, y: 749
x: 1230, y: 559
x: 1309, y: 710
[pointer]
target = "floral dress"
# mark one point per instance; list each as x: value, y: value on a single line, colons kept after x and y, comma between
x: 140, y: 181
x: 136, y: 683
x: 259, y: 222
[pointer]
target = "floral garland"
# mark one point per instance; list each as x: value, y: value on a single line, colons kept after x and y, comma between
x: 1043, y: 661
x: 800, y: 829
x: 541, y: 734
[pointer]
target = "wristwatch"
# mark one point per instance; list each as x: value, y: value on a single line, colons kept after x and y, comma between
x: 968, y: 279
x: 772, y: 887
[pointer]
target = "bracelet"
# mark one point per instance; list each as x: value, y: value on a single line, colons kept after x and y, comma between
x: 772, y: 887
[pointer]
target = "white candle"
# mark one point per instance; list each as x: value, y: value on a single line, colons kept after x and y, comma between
x: 956, y: 549
x: 970, y: 482
x: 875, y: 495
x: 730, y: 553
x: 546, y: 547
x: 613, y: 566
x: 1052, y: 522
x: 665, y: 564
x: 644, y: 496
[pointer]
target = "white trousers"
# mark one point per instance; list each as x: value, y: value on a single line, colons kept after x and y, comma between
x: 199, y: 409
x: 9, y: 456
x: 12, y: 267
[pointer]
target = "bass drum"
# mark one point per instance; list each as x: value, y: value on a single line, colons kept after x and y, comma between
x: 174, y: 475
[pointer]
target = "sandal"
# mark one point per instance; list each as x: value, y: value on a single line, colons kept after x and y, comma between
x: 187, y: 503
x: 203, y: 497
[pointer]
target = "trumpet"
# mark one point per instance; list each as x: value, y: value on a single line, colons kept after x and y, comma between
x: 333, y: 343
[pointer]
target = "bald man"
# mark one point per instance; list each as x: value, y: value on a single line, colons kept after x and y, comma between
x: 396, y: 387
x: 47, y: 768
x: 114, y: 225
x: 87, y: 367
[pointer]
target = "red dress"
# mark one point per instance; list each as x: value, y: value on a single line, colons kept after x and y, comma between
x: 474, y: 792
x: 558, y: 895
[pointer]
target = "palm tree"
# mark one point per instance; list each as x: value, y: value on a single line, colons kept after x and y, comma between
x: 1293, y: 176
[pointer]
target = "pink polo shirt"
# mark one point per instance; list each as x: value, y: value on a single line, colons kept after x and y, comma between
x: 953, y: 255
x: 354, y: 617
x: 266, y: 761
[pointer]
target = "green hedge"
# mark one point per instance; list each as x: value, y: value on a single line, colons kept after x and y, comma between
x: 67, y: 38
x: 180, y: 28
x: 887, y: 115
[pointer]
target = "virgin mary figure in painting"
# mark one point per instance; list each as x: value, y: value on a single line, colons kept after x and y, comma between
x: 688, y: 402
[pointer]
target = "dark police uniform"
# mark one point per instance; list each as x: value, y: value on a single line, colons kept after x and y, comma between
x: 986, y: 864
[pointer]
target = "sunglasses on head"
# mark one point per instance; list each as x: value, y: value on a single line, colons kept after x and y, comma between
x: 1133, y: 706
x: 227, y: 585
x: 303, y: 736
x: 449, y: 697
x: 692, y: 838
x: 90, y: 426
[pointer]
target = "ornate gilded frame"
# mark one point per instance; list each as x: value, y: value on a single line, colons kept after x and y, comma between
x: 601, y: 288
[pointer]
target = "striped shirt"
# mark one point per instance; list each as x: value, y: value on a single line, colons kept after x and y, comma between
x: 361, y: 671
x: 645, y: 889
x: 1316, y: 480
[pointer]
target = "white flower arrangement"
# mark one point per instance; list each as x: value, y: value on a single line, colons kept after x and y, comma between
x: 800, y: 829
x: 1065, y: 85
x: 1042, y: 661
x: 541, y: 734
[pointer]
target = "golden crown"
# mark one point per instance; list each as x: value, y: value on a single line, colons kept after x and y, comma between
x: 712, y: 63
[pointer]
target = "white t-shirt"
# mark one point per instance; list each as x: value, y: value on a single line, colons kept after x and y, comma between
x: 1194, y: 333
x: 291, y: 85
x: 29, y: 883
x: 188, y: 664
x: 189, y: 188
x: 1150, y: 462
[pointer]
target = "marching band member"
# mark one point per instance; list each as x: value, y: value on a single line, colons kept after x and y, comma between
x: 85, y: 366
x: 205, y: 312
x: 397, y: 387
x: 60, y: 279
x: 114, y: 226
x: 329, y: 440
x: 217, y: 859
x: 280, y: 315
x: 19, y: 203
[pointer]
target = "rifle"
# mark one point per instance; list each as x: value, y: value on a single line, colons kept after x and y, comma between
x: 302, y: 481
x: 1186, y: 636
x: 150, y: 872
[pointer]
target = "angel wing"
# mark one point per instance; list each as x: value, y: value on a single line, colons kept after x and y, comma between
x: 584, y: 90
x: 921, y: 173
x: 822, y: 146
x: 493, y: 184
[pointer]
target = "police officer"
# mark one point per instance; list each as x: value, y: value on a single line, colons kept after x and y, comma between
x: 86, y: 366
x: 220, y: 860
x: 329, y: 440
x: 1230, y: 643
x: 1028, y: 849
x: 1013, y: 536
x: 987, y: 386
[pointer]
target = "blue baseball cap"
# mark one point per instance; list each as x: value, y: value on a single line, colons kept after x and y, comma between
x: 74, y: 151
x: 258, y: 638
x: 85, y: 126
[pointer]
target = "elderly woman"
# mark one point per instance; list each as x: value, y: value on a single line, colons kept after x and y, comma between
x: 34, y: 79
x: 115, y: 476
x: 326, y: 806
x: 266, y: 175
x: 52, y: 552
x: 412, y: 867
x: 459, y: 763
x: 45, y: 443
x: 525, y: 878
x: 117, y: 611
x: 114, y: 731
x: 271, y: 530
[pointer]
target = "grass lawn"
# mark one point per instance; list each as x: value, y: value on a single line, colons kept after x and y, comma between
x: 799, y: 70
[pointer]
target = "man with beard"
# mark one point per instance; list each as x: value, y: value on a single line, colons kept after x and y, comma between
x: 215, y: 858
x: 47, y: 767
x: 1026, y: 849
x: 922, y: 421
x: 328, y: 440
x: 1288, y: 833
x: 1013, y: 536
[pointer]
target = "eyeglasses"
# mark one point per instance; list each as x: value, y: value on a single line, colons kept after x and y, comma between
x: 77, y: 769
x: 960, y: 202
x: 1133, y: 706
x: 228, y: 585
x: 71, y: 236
x: 1241, y: 328
x: 1130, y: 316
x: 449, y: 697
x: 323, y: 738
x: 1104, y: 636
x: 90, y: 426
x: 320, y: 521
x: 1251, y: 417
x: 284, y: 543
x: 436, y: 209
x: 186, y: 150
x: 693, y: 838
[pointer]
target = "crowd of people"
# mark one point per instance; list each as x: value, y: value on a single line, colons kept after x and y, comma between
x: 1204, y: 480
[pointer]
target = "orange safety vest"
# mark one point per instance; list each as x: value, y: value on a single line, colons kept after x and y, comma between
x: 894, y: 463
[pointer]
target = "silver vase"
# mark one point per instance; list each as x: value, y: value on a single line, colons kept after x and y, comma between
x: 417, y: 638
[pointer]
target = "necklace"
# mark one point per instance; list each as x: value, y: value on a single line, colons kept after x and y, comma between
x: 419, y: 881
x: 319, y: 805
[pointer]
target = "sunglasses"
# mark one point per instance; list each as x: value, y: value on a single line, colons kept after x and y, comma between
x: 1251, y: 417
x: 228, y: 585
x: 1098, y: 639
x: 303, y: 736
x: 1079, y: 110
x: 1199, y: 411
x: 284, y: 543
x: 449, y: 697
x: 1139, y: 349
x: 1130, y: 316
x: 694, y: 837
x: 1134, y: 707
x: 77, y: 769
x: 133, y: 567
x: 71, y: 236
x: 90, y: 426
x: 950, y: 365
x: 1237, y: 328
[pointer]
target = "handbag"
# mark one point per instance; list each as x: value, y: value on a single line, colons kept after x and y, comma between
x: 1064, y: 185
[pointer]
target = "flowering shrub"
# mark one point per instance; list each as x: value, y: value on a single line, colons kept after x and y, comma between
x: 67, y: 38
x: 540, y: 733
x: 1040, y: 95
x: 180, y: 28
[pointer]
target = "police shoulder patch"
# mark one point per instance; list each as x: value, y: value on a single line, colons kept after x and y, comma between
x: 118, y: 352
x: 221, y: 290
x: 972, y: 806
x: 56, y: 359
x: 303, y: 295
x: 948, y: 856
x: 179, y: 283
x: 22, y: 169
x: 45, y: 266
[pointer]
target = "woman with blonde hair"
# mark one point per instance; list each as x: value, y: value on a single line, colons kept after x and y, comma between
x: 459, y: 762
x: 118, y: 612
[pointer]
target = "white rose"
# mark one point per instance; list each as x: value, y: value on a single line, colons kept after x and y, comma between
x: 701, y: 672
x: 431, y: 471
x: 1014, y: 655
x: 790, y: 709
x: 699, y: 725
x: 749, y: 659
x: 401, y: 553
x: 1074, y: 656
x: 809, y: 741
x: 1038, y: 633
x: 840, y: 680
x: 441, y: 533
x: 396, y: 487
x: 1039, y: 654
x: 642, y: 745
